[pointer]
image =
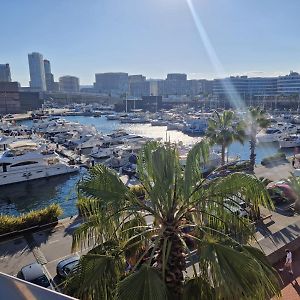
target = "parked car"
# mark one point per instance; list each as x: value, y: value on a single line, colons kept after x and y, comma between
x: 65, y: 266
x: 34, y: 273
x: 237, y: 207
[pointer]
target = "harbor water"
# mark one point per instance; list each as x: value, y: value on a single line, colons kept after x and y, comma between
x: 23, y: 197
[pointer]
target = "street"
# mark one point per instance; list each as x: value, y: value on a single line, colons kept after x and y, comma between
x: 46, y: 247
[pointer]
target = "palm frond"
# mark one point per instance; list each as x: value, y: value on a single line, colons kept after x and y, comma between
x: 197, y: 156
x: 95, y: 277
x: 236, y: 272
x: 145, y: 284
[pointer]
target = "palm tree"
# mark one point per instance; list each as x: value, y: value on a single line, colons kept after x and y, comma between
x: 222, y: 130
x: 295, y: 185
x: 142, y: 248
x: 257, y: 119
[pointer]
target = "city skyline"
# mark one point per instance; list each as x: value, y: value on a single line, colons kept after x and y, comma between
x: 152, y: 37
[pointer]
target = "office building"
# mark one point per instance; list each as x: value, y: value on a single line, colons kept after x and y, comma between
x: 139, y: 89
x: 13, y: 100
x: 138, y: 86
x: 194, y: 87
x: 177, y: 76
x: 9, y: 98
x: 262, y: 86
x: 207, y: 86
x: 136, y: 78
x: 115, y: 83
x: 288, y: 84
x: 69, y: 84
x: 30, y: 101
x: 5, y: 73
x: 231, y: 87
x: 37, y: 71
x: 175, y: 84
x: 48, y: 76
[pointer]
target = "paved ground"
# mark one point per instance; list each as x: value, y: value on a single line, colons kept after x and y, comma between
x: 276, y: 171
x: 290, y: 283
x: 46, y: 247
x: 15, y: 254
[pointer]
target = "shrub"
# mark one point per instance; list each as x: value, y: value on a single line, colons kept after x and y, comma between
x: 276, y: 157
x: 33, y: 218
x: 138, y: 190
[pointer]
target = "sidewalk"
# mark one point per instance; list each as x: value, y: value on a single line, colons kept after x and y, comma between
x: 290, y: 283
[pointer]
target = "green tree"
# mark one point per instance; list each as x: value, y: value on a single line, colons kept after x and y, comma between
x: 185, y: 223
x: 295, y: 184
x: 223, y: 130
x: 256, y: 119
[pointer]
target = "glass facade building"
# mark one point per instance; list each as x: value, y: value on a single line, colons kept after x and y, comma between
x: 37, y: 71
x: 5, y: 73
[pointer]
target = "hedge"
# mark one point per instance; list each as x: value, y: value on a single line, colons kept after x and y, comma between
x: 33, y: 218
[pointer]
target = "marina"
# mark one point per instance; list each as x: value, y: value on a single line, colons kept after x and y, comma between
x: 85, y: 140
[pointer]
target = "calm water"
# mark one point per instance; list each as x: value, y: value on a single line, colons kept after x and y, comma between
x: 23, y: 197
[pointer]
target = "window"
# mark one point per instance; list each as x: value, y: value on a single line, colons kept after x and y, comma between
x: 24, y: 163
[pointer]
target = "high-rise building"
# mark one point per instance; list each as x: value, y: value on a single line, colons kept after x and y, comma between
x: 69, y: 84
x: 115, y: 83
x: 47, y: 66
x: 37, y: 71
x: 5, y: 73
x: 48, y: 76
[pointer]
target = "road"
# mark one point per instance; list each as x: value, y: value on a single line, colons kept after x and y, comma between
x: 46, y: 247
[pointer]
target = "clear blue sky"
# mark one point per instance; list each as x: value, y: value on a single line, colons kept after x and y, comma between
x: 152, y: 37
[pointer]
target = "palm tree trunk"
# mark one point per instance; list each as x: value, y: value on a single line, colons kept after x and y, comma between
x: 223, y: 154
x: 252, y: 149
x: 175, y: 265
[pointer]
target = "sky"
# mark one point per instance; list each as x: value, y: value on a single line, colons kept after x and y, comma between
x: 202, y: 38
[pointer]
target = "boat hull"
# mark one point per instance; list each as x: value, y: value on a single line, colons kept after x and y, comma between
x: 289, y: 144
x: 35, y: 173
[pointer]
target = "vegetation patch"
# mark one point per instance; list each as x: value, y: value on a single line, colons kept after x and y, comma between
x: 273, y: 158
x: 33, y: 218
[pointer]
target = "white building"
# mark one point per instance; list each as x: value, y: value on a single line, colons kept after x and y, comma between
x: 37, y: 71
x: 289, y: 84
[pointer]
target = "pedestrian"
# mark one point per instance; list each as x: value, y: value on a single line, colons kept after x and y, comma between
x: 288, y: 262
x: 293, y: 161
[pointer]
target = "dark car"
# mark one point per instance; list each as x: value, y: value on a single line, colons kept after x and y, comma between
x: 64, y: 267
x: 34, y: 273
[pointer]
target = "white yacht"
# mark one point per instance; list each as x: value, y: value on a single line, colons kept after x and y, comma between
x: 25, y: 161
x: 122, y: 137
x: 214, y: 158
x: 270, y: 135
x: 196, y: 126
x: 107, y: 152
x: 276, y: 132
x: 290, y: 141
